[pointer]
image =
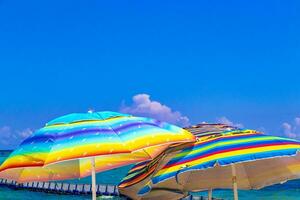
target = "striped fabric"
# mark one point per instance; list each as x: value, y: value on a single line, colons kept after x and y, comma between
x: 217, y: 144
x: 224, y: 150
x: 203, y: 132
x: 75, y: 137
x: 207, y: 130
x: 140, y: 171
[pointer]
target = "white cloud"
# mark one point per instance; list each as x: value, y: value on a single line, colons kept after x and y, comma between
x: 5, y: 133
x: 25, y: 133
x: 292, y: 130
x: 10, y: 138
x: 144, y: 106
x: 225, y: 120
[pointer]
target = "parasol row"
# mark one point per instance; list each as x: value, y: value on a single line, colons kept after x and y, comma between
x: 223, y: 157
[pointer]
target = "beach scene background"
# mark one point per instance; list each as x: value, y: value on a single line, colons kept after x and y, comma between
x: 181, y: 62
x: 286, y: 191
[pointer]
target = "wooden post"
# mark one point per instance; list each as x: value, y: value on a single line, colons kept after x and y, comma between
x: 234, y: 183
x: 93, y: 178
x: 209, y: 194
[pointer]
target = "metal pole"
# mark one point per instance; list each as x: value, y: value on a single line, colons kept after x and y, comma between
x: 234, y: 183
x: 209, y: 194
x: 93, y: 178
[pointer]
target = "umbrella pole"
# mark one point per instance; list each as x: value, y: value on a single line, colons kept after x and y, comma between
x: 93, y: 178
x: 209, y: 194
x: 234, y: 184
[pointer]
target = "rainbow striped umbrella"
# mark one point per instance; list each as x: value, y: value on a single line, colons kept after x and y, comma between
x: 224, y: 158
x: 80, y: 144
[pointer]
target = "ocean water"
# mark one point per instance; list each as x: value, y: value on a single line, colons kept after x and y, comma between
x: 287, y: 191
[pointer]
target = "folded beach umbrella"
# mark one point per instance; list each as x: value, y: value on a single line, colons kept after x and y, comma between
x: 80, y: 144
x: 229, y: 158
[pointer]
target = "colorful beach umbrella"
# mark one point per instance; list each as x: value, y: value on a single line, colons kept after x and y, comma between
x: 223, y: 157
x: 80, y: 144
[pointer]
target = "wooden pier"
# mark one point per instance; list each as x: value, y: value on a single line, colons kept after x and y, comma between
x: 62, y: 188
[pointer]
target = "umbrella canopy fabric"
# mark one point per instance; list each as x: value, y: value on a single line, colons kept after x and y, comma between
x: 259, y: 160
x: 140, y: 174
x: 63, y: 148
x: 202, y: 131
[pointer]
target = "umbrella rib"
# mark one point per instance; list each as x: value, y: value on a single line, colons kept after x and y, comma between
x: 246, y: 173
x: 53, y: 142
x: 112, y: 129
x: 121, y: 138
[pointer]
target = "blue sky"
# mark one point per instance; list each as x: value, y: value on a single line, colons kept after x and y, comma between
x: 205, y: 59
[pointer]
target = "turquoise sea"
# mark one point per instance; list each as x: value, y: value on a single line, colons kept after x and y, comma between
x: 287, y: 191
